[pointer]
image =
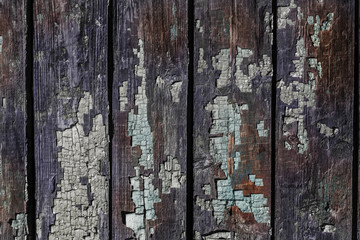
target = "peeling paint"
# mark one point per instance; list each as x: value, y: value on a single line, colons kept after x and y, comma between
x: 226, y: 126
x: 301, y: 93
x: 123, y: 100
x: 268, y: 20
x: 283, y: 13
x: 202, y: 65
x: 262, y: 132
x: 316, y: 65
x: 78, y: 206
x: 199, y: 27
x: 329, y: 228
x: 327, y: 131
x: 221, y: 62
x: 160, y: 83
x: 171, y: 175
x: 1, y: 43
x: 19, y: 226
x: 175, y: 90
x: 138, y: 124
x: 219, y: 235
x: 299, y: 63
x: 207, y: 189
x: 326, y: 25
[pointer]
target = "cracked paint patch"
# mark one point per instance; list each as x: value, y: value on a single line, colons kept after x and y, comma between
x: 19, y: 226
x: 268, y: 19
x: 326, y: 25
x: 298, y: 96
x: 327, y: 131
x: 138, y: 124
x: 199, y: 27
x: 224, y: 134
x: 328, y: 228
x: 171, y: 175
x: 144, y: 194
x: 221, y: 62
x: 299, y: 63
x: 243, y: 80
x: 262, y: 132
x: 82, y: 195
x: 160, y: 83
x: 175, y: 89
x: 123, y: 100
x: 207, y: 189
x: 283, y: 13
x: 202, y: 65
x: 219, y: 235
x: 316, y: 65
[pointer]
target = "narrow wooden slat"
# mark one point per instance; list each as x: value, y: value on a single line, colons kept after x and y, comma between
x: 314, y: 121
x: 71, y: 125
x: 149, y: 111
x: 232, y: 119
x: 13, y: 192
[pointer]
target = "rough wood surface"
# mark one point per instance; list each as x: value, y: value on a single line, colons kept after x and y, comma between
x: 149, y: 111
x: 232, y: 119
x: 314, y: 122
x: 13, y: 194
x: 71, y: 111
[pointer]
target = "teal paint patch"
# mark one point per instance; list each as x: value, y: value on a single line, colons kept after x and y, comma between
x: 138, y: 124
x: 226, y: 123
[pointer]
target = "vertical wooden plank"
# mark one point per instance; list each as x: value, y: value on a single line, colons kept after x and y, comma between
x: 13, y: 195
x: 314, y: 122
x: 232, y: 119
x: 71, y: 125
x: 149, y: 111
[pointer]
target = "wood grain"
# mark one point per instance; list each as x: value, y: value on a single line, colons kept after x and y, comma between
x: 13, y: 192
x: 314, y: 121
x: 71, y: 119
x: 150, y: 115
x: 232, y: 119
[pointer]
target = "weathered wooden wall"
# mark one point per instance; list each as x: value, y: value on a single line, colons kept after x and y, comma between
x: 149, y: 114
x: 272, y: 146
x: 13, y: 192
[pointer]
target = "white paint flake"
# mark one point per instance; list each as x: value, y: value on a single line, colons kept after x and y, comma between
x: 283, y: 13
x: 300, y: 93
x: 123, y: 100
x: 268, y: 20
x: 82, y: 197
x: 19, y: 226
x: 171, y: 175
x: 262, y: 132
x: 327, y: 131
x: 202, y: 65
x: 175, y: 90
x: 221, y: 62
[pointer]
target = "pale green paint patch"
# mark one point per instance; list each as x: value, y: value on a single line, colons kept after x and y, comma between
x: 227, y: 121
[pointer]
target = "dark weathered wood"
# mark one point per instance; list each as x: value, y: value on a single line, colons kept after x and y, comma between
x: 71, y: 109
x: 314, y: 121
x: 149, y: 111
x: 13, y: 192
x: 232, y: 119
